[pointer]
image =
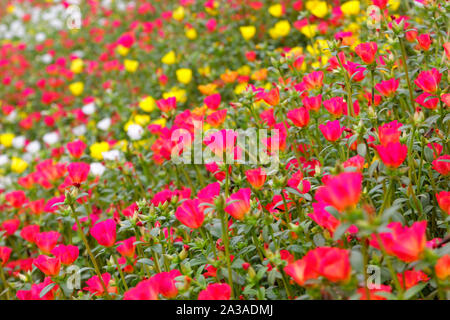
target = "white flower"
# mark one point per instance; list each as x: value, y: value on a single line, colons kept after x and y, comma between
x: 89, y: 108
x: 41, y: 36
x: 3, y: 159
x: 135, y: 131
x: 33, y: 147
x: 51, y: 138
x: 104, y: 124
x: 79, y: 130
x: 97, y: 168
x: 18, y: 142
x: 46, y: 58
x: 112, y: 155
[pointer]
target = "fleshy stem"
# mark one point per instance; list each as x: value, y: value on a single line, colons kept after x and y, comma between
x: 120, y: 272
x: 405, y: 67
x: 88, y: 249
x: 227, y: 249
x: 5, y: 283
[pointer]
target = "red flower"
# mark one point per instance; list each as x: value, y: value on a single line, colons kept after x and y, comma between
x: 35, y: 292
x: 313, y: 103
x: 215, y: 119
x: 238, y: 209
x: 428, y: 80
x: 299, y: 116
x: 424, y: 41
x: 5, y: 253
x: 105, y: 232
x: 443, y: 199
x: 373, y: 293
x: 49, y: 266
x: 323, y: 218
x: 272, y: 97
x: 336, y: 106
x: 215, y: 291
x: 389, y: 132
x: 46, y: 241
x: 256, y: 177
x: 66, y: 254
x: 78, y: 173
x: 406, y: 243
x: 127, y: 247
x: 16, y: 198
x: 94, y: 285
x: 190, y: 214
x: 410, y: 278
x: 145, y: 290
x: 366, y: 51
x: 427, y: 100
x: 442, y: 267
x: 213, y: 101
x: 387, y: 88
x: 29, y: 232
x: 332, y: 130
x: 166, y: 105
x: 166, y: 283
x: 342, y: 191
x: 76, y: 148
x: 10, y: 226
x: 313, y: 80
x: 393, y: 154
x: 443, y: 167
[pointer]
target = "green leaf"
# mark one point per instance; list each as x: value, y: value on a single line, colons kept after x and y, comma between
x: 411, y: 292
x: 47, y: 289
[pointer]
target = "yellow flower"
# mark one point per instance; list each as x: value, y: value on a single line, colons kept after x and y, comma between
x: 123, y: 51
x: 309, y: 30
x: 178, y: 13
x: 18, y: 165
x: 147, y: 104
x: 131, y: 65
x: 205, y: 71
x: 240, y: 88
x: 76, y: 66
x: 281, y: 29
x: 247, y: 32
x: 160, y: 121
x: 76, y: 88
x: 127, y: 124
x: 6, y: 139
x: 191, y: 34
x: 169, y: 58
x: 206, y: 126
x: 350, y: 7
x: 244, y: 70
x: 184, y: 75
x: 10, y: 8
x: 276, y: 10
x: 142, y: 119
x: 317, y: 8
x: 179, y: 94
x: 394, y: 4
x: 98, y: 148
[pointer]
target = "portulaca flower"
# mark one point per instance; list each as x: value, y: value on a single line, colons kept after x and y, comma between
x: 89, y: 108
x: 18, y: 142
x: 112, y: 155
x: 79, y: 130
x: 97, y: 168
x: 135, y: 131
x: 104, y: 124
x: 51, y: 138
x: 33, y: 147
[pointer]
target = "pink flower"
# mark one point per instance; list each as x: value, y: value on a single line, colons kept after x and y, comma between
x: 428, y: 80
x: 256, y: 177
x: 49, y: 266
x: 366, y: 51
x: 76, y: 148
x: 238, y: 204
x: 105, y: 232
x: 190, y: 214
x: 299, y: 116
x: 66, y: 254
x: 393, y: 154
x: 332, y: 130
x: 78, y: 172
x: 216, y: 291
x: 342, y: 191
x: 46, y: 241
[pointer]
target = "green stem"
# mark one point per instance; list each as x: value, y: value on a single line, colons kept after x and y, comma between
x: 5, y: 282
x: 120, y: 272
x: 405, y: 68
x: 227, y: 250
